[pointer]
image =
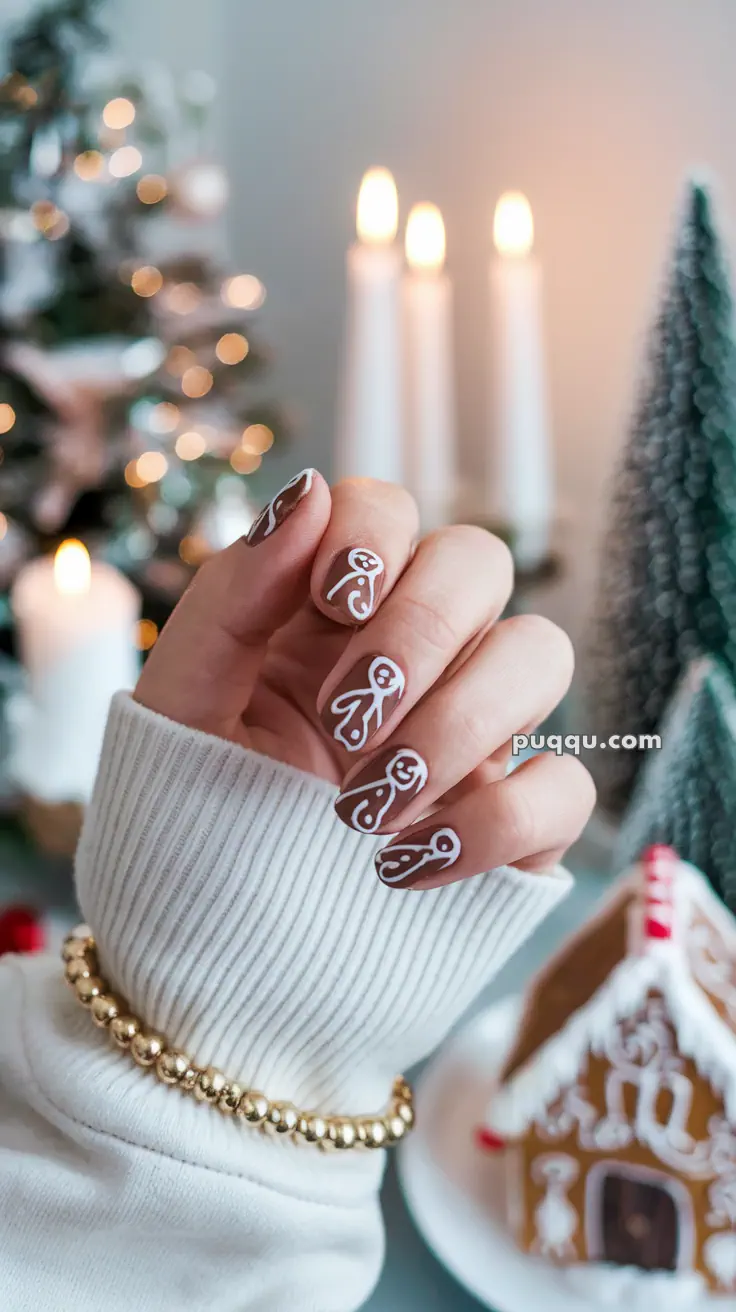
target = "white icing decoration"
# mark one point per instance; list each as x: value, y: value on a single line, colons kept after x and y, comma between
x: 406, y: 770
x: 404, y: 859
x: 269, y: 513
x: 603, y: 1284
x: 364, y: 568
x: 719, y: 1254
x: 555, y: 1218
x: 384, y: 680
x: 711, y: 967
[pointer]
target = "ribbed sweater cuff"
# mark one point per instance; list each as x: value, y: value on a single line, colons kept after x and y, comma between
x: 243, y: 920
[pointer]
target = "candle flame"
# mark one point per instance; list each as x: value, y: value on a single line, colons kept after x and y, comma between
x: 513, y: 224
x: 72, y: 569
x: 378, y: 208
x: 425, y: 238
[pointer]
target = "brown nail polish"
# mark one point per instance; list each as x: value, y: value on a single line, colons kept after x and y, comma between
x: 383, y: 789
x: 363, y: 701
x: 353, y: 583
x: 409, y: 864
x: 281, y: 507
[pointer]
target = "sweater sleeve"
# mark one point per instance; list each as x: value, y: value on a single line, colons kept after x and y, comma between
x: 241, y: 919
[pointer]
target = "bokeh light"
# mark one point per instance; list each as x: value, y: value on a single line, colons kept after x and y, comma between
x: 196, y: 381
x: 257, y: 439
x: 89, y: 165
x: 190, y: 445
x: 7, y: 417
x: 232, y: 348
x: 118, y: 113
x: 147, y: 281
x: 151, y: 466
x: 244, y: 462
x: 151, y: 189
x: 146, y: 633
x: 244, y: 291
x: 125, y: 161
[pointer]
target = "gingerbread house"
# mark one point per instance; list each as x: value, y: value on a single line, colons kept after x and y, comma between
x: 615, y: 1111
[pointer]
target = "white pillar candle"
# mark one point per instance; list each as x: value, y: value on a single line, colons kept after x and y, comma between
x: 369, y: 426
x: 521, y: 493
x: 76, y: 626
x: 429, y: 392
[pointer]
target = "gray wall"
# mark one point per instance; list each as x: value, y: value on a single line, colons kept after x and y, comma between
x: 596, y: 108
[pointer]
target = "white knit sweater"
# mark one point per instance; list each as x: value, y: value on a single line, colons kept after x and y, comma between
x: 240, y: 917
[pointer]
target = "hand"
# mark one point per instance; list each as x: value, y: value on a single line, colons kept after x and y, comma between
x: 328, y: 642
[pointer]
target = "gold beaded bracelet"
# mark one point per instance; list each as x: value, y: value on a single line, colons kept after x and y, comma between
x: 173, y: 1067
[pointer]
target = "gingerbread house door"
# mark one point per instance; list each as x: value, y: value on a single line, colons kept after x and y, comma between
x: 638, y: 1222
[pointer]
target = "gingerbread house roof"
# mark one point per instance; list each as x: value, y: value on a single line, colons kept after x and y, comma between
x: 661, y: 930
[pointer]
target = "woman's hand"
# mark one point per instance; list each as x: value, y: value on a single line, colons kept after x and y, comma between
x: 328, y: 641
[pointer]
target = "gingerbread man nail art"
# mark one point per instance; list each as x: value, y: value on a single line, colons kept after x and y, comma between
x: 383, y: 789
x: 354, y: 583
x: 362, y: 702
x: 429, y: 852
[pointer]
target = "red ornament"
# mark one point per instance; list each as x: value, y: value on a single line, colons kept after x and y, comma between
x: 21, y: 931
x: 659, y: 864
x: 488, y: 1140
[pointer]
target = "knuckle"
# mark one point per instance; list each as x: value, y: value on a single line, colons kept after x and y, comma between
x: 519, y: 819
x: 576, y: 784
x: 395, y: 501
x: 426, y: 622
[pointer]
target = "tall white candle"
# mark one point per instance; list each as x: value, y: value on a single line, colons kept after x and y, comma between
x: 430, y: 401
x: 369, y: 425
x: 76, y: 624
x: 521, y: 491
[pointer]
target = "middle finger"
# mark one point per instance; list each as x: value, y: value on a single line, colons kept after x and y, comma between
x: 456, y: 585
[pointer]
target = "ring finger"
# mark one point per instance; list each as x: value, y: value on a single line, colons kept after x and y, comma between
x: 460, y: 724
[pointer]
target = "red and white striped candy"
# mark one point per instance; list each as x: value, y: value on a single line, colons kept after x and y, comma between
x: 659, y: 864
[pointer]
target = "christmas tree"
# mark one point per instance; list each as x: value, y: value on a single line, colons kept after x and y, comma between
x: 668, y: 585
x: 686, y: 793
x: 127, y: 414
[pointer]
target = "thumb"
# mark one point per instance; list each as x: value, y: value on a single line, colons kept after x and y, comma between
x: 204, y: 666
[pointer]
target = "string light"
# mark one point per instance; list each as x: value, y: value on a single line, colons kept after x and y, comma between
x: 257, y: 439
x: 151, y: 189
x: 244, y: 291
x: 89, y: 165
x: 183, y: 297
x: 3, y: 525
x: 7, y: 417
x: 190, y: 446
x: 164, y: 417
x: 125, y: 161
x: 132, y: 477
x: 118, y: 113
x: 196, y: 381
x: 179, y: 360
x: 146, y: 633
x: 244, y: 462
x: 147, y: 281
x: 151, y: 466
x: 232, y: 348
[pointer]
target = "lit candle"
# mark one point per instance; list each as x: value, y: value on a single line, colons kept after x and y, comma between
x: 369, y: 426
x: 430, y: 402
x: 76, y: 624
x: 521, y: 492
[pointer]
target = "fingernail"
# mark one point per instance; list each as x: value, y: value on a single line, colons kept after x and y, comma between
x: 410, y: 864
x: 383, y: 789
x: 353, y: 583
x: 283, y: 504
x: 363, y: 701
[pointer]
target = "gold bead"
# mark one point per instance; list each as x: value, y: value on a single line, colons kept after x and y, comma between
x: 105, y: 1007
x: 342, y: 1134
x: 76, y: 947
x: 312, y: 1128
x: 253, y: 1107
x: 281, y: 1118
x: 124, y: 1029
x: 172, y: 1066
x: 88, y: 987
x: 189, y: 1078
x: 402, y: 1091
x: 228, y: 1101
x: 376, y: 1134
x: 77, y: 968
x: 210, y: 1085
x: 146, y: 1048
x: 405, y: 1112
x: 395, y: 1128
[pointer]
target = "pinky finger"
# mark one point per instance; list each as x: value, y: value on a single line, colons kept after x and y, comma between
x: 528, y: 819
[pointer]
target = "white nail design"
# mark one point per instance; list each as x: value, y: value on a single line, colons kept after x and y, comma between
x: 364, y: 569
x: 362, y: 708
x: 405, y: 771
x: 269, y: 513
x: 395, y: 864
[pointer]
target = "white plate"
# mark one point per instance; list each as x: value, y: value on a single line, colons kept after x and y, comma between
x: 456, y: 1196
